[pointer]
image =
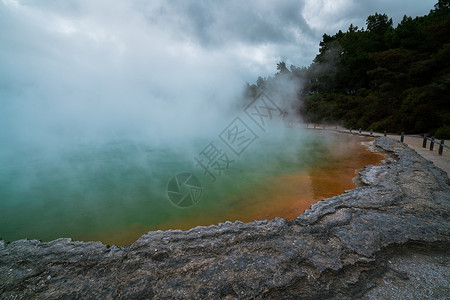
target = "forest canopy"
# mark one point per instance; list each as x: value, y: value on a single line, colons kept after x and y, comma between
x: 380, y: 77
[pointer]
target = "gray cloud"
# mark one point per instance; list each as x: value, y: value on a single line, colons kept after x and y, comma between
x: 331, y: 16
x: 250, y: 21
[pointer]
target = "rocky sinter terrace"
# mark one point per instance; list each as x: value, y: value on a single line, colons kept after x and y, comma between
x: 373, y: 242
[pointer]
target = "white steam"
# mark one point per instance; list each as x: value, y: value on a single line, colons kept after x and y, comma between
x: 104, y: 72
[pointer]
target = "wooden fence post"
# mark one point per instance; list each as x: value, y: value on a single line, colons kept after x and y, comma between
x: 424, y: 144
x: 441, y: 147
x: 402, y: 138
x: 432, y: 143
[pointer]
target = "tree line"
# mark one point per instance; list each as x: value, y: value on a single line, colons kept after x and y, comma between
x: 381, y: 77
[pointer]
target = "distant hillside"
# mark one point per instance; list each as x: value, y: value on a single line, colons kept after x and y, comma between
x: 385, y: 78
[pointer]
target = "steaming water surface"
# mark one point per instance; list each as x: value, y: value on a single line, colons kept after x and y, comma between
x: 116, y: 191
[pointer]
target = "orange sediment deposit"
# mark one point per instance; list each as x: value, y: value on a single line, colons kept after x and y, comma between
x: 118, y: 236
x: 289, y: 195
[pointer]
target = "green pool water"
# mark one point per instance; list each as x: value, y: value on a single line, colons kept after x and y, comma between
x: 117, y: 190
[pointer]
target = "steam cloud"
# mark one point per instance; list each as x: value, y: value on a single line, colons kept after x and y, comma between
x: 80, y: 71
x: 83, y: 71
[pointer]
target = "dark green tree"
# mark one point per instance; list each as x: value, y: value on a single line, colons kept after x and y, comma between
x: 379, y: 24
x: 385, y: 78
x: 281, y: 67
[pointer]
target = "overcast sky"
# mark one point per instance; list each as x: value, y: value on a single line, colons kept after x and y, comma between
x: 255, y: 34
x: 104, y: 63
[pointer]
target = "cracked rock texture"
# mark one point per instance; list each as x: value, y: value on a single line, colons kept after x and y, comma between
x: 371, y: 243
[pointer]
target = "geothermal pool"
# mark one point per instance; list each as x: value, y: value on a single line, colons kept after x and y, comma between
x: 118, y: 190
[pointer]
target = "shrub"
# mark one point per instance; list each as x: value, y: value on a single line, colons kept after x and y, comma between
x: 443, y: 132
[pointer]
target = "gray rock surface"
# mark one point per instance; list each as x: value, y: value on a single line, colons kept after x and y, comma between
x: 360, y: 244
